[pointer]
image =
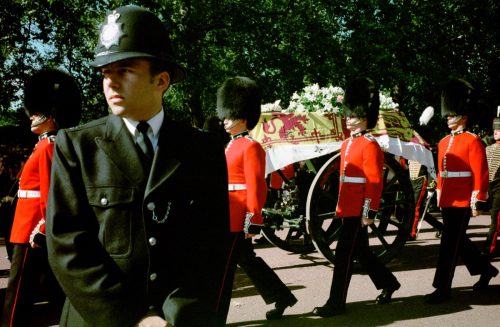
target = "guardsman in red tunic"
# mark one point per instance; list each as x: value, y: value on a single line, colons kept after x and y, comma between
x: 360, y: 190
x: 238, y: 105
x: 462, y: 186
x: 52, y: 100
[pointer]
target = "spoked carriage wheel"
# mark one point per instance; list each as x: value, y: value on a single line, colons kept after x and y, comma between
x: 394, y: 219
x: 284, y: 213
x: 289, y: 235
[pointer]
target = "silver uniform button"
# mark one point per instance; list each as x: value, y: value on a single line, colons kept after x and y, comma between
x: 153, y: 276
x: 104, y: 201
x: 152, y: 241
x: 151, y: 206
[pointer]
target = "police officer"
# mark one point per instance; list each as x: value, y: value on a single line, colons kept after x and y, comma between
x: 360, y: 190
x: 52, y: 101
x: 137, y: 219
x: 238, y: 105
x: 493, y: 157
x: 462, y: 185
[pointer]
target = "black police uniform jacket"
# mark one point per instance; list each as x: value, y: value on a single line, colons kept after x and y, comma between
x: 113, y: 260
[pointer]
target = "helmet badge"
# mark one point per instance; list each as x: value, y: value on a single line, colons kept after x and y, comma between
x: 112, y: 31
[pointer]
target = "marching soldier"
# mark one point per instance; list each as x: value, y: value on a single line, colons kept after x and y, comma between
x: 360, y: 191
x: 238, y: 105
x: 462, y: 186
x: 52, y: 101
x: 493, y: 157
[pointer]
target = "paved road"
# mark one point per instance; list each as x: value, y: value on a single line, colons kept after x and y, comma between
x: 309, y: 277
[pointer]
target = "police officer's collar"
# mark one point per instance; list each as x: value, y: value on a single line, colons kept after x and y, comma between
x: 155, y: 122
x: 237, y: 136
x: 458, y: 131
x: 46, y: 134
x: 354, y: 135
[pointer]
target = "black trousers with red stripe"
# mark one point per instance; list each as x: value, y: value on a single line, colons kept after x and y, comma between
x: 353, y: 243
x: 456, y: 244
x: 28, y: 272
x: 263, y: 277
x: 265, y: 280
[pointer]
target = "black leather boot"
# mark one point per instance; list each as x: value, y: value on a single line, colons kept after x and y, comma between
x: 280, y: 307
x: 328, y: 310
x: 386, y: 295
x: 485, y: 278
x: 438, y: 296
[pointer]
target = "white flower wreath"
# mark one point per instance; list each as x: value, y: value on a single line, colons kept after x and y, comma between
x: 313, y: 98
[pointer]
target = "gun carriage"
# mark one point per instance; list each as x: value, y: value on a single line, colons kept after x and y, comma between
x: 300, y: 213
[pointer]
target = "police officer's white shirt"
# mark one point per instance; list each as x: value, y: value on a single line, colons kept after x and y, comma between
x: 155, y: 124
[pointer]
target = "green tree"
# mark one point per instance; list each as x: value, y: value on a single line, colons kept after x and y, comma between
x: 409, y: 47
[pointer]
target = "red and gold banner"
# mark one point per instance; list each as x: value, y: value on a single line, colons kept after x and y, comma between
x: 278, y: 128
x: 293, y: 137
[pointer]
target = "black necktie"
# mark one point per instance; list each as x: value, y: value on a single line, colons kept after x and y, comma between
x: 143, y: 140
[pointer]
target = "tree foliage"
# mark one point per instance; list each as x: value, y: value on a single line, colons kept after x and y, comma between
x: 409, y: 47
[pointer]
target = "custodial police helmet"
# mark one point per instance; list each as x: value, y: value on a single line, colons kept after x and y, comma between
x: 134, y: 32
x: 457, y: 98
x: 361, y: 99
x: 239, y: 98
x: 54, y: 93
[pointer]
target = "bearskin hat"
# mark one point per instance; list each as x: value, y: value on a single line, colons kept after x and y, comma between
x: 457, y: 98
x: 361, y: 99
x: 239, y: 98
x: 54, y: 93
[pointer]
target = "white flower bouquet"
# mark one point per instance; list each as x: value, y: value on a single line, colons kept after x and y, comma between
x: 270, y: 107
x: 318, y: 99
x: 386, y: 102
x: 313, y: 98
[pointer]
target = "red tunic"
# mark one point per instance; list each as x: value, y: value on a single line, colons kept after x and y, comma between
x: 361, y: 159
x: 276, y: 181
x: 465, y: 154
x: 246, y: 164
x: 34, y: 177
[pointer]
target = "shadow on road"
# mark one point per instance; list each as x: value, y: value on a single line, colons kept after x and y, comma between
x: 416, y: 255
x: 368, y: 313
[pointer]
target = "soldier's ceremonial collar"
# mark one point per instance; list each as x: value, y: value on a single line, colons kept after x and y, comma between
x: 460, y: 131
x: 46, y: 134
x: 354, y: 135
x: 237, y: 136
